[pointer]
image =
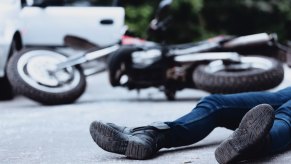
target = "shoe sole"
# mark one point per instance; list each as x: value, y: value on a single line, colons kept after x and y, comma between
x: 109, y: 139
x: 255, y: 124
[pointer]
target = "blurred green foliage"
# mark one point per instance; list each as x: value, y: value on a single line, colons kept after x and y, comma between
x: 138, y: 21
x: 198, y: 19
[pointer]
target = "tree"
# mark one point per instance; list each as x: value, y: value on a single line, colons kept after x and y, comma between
x: 198, y: 19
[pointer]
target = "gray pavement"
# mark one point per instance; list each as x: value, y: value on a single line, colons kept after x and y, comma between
x: 31, y: 133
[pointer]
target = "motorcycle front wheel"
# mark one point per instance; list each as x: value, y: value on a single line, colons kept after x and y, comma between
x: 29, y: 75
x: 117, y: 63
x: 253, y: 73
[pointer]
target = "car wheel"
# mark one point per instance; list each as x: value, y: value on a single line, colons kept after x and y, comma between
x: 6, y: 88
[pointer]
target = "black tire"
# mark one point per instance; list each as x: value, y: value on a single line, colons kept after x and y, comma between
x: 230, y: 81
x: 170, y: 94
x: 33, y: 89
x: 117, y: 61
x: 6, y: 88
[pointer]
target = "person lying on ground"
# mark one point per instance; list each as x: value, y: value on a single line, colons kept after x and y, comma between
x: 261, y: 122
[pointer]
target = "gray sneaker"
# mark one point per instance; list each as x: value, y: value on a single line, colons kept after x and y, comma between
x: 253, y: 128
x: 136, y: 143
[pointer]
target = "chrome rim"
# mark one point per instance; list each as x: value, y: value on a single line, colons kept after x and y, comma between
x: 34, y: 68
x: 246, y: 63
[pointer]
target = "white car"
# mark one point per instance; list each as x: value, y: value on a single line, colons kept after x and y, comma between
x: 46, y: 23
x: 10, y: 40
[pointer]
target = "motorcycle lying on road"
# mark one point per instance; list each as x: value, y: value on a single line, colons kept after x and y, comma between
x: 213, y: 65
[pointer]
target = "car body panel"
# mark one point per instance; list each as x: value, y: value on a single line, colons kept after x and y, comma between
x: 9, y: 25
x: 48, y: 26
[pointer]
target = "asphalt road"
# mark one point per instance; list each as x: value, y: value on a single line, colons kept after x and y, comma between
x: 31, y: 133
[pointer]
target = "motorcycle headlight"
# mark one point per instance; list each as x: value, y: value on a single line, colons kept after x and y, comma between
x: 147, y: 57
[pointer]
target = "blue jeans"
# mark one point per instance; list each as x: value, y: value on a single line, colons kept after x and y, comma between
x: 227, y: 111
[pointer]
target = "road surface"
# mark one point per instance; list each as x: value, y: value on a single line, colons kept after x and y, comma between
x: 31, y: 133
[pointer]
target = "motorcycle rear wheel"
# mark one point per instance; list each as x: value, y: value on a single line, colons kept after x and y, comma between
x: 254, y: 73
x: 29, y: 76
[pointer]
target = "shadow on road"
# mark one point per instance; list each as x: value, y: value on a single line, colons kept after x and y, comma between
x: 146, y: 100
x: 189, y: 148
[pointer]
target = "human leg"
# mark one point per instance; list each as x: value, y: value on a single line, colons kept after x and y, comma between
x: 280, y: 133
x: 250, y: 139
x: 210, y: 112
x: 273, y: 140
x: 137, y: 143
x: 220, y: 111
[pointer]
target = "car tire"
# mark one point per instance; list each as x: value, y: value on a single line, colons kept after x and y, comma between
x: 6, y: 88
x: 6, y: 91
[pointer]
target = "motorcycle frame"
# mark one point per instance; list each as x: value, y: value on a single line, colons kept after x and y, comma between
x: 185, y: 55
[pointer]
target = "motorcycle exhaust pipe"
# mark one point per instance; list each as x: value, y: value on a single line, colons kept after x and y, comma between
x: 255, y: 39
x: 208, y: 56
